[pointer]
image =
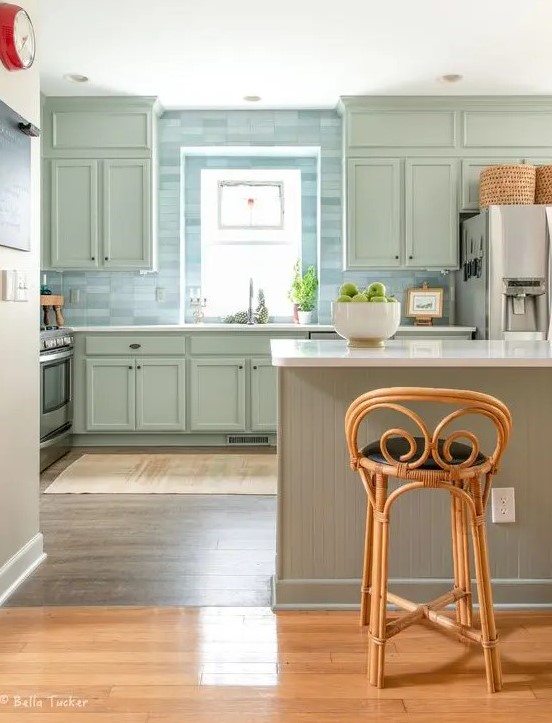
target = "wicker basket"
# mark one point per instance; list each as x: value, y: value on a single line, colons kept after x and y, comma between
x: 503, y: 185
x: 543, y: 193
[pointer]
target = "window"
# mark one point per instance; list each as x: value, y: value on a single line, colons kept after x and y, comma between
x: 250, y: 228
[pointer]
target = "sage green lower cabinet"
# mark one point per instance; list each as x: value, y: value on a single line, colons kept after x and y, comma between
x: 110, y: 395
x: 431, y: 223
x: 264, y: 405
x: 217, y: 394
x: 129, y: 394
x: 160, y: 395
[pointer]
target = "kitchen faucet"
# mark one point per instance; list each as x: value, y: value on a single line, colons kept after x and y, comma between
x: 250, y: 319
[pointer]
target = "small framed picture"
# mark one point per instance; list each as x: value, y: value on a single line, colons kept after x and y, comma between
x: 424, y: 304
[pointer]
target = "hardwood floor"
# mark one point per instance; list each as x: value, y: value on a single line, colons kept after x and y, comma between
x: 152, y: 549
x: 247, y: 665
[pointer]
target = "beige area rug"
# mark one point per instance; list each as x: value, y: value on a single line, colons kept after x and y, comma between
x: 184, y: 474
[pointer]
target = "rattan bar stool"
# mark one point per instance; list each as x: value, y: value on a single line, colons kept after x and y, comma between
x: 431, y: 460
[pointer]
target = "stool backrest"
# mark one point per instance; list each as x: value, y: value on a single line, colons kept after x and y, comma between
x: 465, y: 401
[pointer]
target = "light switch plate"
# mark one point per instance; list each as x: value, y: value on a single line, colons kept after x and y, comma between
x: 21, y: 288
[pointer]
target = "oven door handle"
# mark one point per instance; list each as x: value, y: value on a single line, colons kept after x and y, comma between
x: 58, y: 356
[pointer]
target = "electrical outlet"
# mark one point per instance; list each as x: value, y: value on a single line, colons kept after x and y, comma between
x: 159, y: 293
x: 74, y: 296
x: 503, y: 504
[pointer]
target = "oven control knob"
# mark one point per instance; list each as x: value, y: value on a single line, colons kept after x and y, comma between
x: 68, y: 340
x: 50, y: 343
x: 59, y: 341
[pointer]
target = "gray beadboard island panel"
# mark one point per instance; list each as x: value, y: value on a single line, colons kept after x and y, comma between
x: 321, y: 503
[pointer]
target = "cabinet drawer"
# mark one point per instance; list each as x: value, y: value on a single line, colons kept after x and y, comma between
x: 139, y: 344
x: 230, y: 344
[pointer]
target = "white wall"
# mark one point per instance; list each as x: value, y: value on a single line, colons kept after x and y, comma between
x: 20, y: 542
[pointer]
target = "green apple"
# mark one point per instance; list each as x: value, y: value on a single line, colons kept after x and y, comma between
x: 392, y: 298
x: 375, y: 289
x: 359, y: 298
x: 380, y: 299
x: 348, y: 289
x: 343, y: 298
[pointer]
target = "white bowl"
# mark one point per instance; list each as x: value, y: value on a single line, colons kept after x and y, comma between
x: 366, y: 324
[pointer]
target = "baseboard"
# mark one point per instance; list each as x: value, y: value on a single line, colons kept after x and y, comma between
x: 143, y: 439
x: 345, y: 594
x: 20, y: 566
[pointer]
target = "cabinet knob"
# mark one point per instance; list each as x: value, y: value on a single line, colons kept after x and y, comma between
x: 396, y: 257
x: 411, y: 257
x: 92, y: 258
x: 254, y: 367
x: 106, y: 258
x: 138, y: 367
x: 135, y: 346
x: 129, y: 366
x: 240, y: 366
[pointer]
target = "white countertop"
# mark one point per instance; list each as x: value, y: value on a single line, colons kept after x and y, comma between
x: 266, y: 328
x: 413, y: 353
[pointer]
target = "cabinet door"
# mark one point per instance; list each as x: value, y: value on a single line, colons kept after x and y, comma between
x: 217, y: 391
x: 264, y: 396
x: 373, y: 213
x: 110, y: 395
x: 160, y: 395
x: 471, y: 170
x: 431, y: 218
x: 74, y: 214
x: 127, y: 201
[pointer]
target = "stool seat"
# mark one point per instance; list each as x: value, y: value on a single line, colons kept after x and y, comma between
x: 399, y: 446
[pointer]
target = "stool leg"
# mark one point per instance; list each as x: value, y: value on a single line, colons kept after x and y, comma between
x: 367, y: 571
x: 485, y: 595
x: 466, y: 604
x: 461, y: 559
x: 456, y: 553
x: 378, y: 620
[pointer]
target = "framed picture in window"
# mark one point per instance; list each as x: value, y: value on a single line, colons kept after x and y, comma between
x: 424, y: 304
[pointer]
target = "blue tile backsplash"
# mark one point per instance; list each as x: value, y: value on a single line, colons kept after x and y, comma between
x: 119, y: 298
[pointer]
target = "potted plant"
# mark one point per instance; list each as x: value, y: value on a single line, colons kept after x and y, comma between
x: 303, y: 292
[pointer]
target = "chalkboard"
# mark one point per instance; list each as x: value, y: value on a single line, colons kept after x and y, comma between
x: 15, y: 182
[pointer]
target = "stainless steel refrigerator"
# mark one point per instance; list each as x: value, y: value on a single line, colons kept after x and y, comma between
x: 503, y: 286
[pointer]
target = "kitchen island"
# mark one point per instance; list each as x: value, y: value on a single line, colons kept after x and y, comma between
x: 321, y: 503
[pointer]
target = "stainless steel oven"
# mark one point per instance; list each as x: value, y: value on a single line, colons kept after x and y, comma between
x: 56, y: 394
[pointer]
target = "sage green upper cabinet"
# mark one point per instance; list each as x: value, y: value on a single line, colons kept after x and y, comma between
x: 217, y: 392
x: 98, y: 127
x: 264, y: 396
x: 471, y: 170
x: 126, y: 214
x: 110, y: 395
x: 98, y: 183
x: 431, y: 215
x: 373, y: 213
x: 160, y: 395
x: 74, y: 214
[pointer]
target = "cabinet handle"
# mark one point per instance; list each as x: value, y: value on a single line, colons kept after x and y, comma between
x: 129, y: 366
x: 254, y: 367
x: 106, y: 258
x: 411, y: 257
x: 92, y: 258
x: 138, y: 367
x: 135, y: 346
x: 396, y: 257
x: 240, y: 366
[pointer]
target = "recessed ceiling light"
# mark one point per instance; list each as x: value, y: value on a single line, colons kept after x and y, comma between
x: 252, y: 98
x: 451, y: 78
x: 76, y: 78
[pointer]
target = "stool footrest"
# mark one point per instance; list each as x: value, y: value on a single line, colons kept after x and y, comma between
x: 429, y: 611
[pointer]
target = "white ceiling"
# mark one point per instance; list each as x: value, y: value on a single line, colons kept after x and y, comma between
x: 294, y: 53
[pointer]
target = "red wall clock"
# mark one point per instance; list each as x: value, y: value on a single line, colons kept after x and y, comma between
x: 17, y: 38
